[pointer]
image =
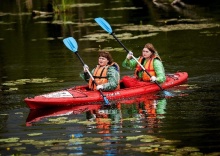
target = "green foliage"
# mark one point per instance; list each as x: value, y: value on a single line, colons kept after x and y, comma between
x: 62, y: 7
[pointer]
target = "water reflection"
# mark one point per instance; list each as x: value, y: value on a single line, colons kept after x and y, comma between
x: 105, y: 116
x: 36, y: 115
x: 109, y: 124
x: 152, y: 112
x: 112, y: 122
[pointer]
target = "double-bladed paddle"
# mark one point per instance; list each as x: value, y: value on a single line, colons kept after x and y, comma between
x: 106, y: 26
x: 71, y: 44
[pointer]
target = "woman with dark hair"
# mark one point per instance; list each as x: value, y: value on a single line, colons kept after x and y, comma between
x: 106, y: 73
x: 151, y: 61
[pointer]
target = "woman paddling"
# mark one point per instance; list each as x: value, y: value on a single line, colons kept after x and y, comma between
x: 151, y: 61
x: 106, y: 73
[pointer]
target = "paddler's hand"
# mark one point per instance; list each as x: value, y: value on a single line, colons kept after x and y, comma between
x: 130, y: 54
x: 85, y: 68
x: 153, y: 79
x: 99, y: 87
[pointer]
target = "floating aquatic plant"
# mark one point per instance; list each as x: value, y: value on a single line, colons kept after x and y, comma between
x: 15, y: 139
x: 99, y: 151
x: 150, y: 144
x: 34, y: 134
x: 19, y: 148
x: 152, y: 28
x: 124, y: 8
x: 25, y: 81
x: 10, y: 85
x: 84, y: 5
x: 87, y: 122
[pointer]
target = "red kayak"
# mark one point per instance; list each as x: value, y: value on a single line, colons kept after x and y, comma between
x: 80, y: 95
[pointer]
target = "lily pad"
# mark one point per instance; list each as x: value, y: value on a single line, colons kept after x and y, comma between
x: 151, y: 28
x: 124, y: 8
x: 34, y: 134
x: 20, y: 148
x: 8, y: 145
x: 12, y: 89
x: 58, y: 119
x: 9, y: 83
x: 72, y: 121
x: 87, y: 122
x: 189, y: 149
x: 147, y: 140
x: 10, y: 140
x: 24, y: 81
x: 99, y: 151
x: 27, y: 141
x: 84, y: 5
x: 19, y: 113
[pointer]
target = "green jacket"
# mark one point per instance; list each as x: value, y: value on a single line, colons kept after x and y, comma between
x: 161, y: 107
x: 158, y: 67
x: 112, y: 76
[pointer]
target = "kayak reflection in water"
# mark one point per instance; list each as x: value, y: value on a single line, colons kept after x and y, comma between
x: 106, y: 119
x: 148, y: 114
x: 150, y: 111
x: 153, y: 111
x: 110, y: 121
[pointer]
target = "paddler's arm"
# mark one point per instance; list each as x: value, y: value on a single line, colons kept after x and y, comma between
x: 129, y: 64
x: 160, y: 72
x: 85, y: 75
x: 113, y: 79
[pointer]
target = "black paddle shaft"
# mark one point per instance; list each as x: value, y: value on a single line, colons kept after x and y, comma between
x: 80, y: 58
x: 119, y: 42
x: 83, y: 65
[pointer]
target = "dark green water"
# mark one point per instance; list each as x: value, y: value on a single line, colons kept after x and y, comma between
x: 31, y: 47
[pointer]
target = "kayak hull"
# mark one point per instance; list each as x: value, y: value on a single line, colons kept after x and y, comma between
x: 80, y: 95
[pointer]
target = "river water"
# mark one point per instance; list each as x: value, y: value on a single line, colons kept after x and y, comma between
x: 34, y: 60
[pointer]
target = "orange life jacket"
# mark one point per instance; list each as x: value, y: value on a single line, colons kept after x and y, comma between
x: 100, y: 76
x: 150, y: 107
x: 149, y: 66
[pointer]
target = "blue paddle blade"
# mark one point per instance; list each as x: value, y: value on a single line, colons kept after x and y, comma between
x: 104, y: 24
x: 71, y: 44
x: 106, y: 101
x: 168, y: 94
